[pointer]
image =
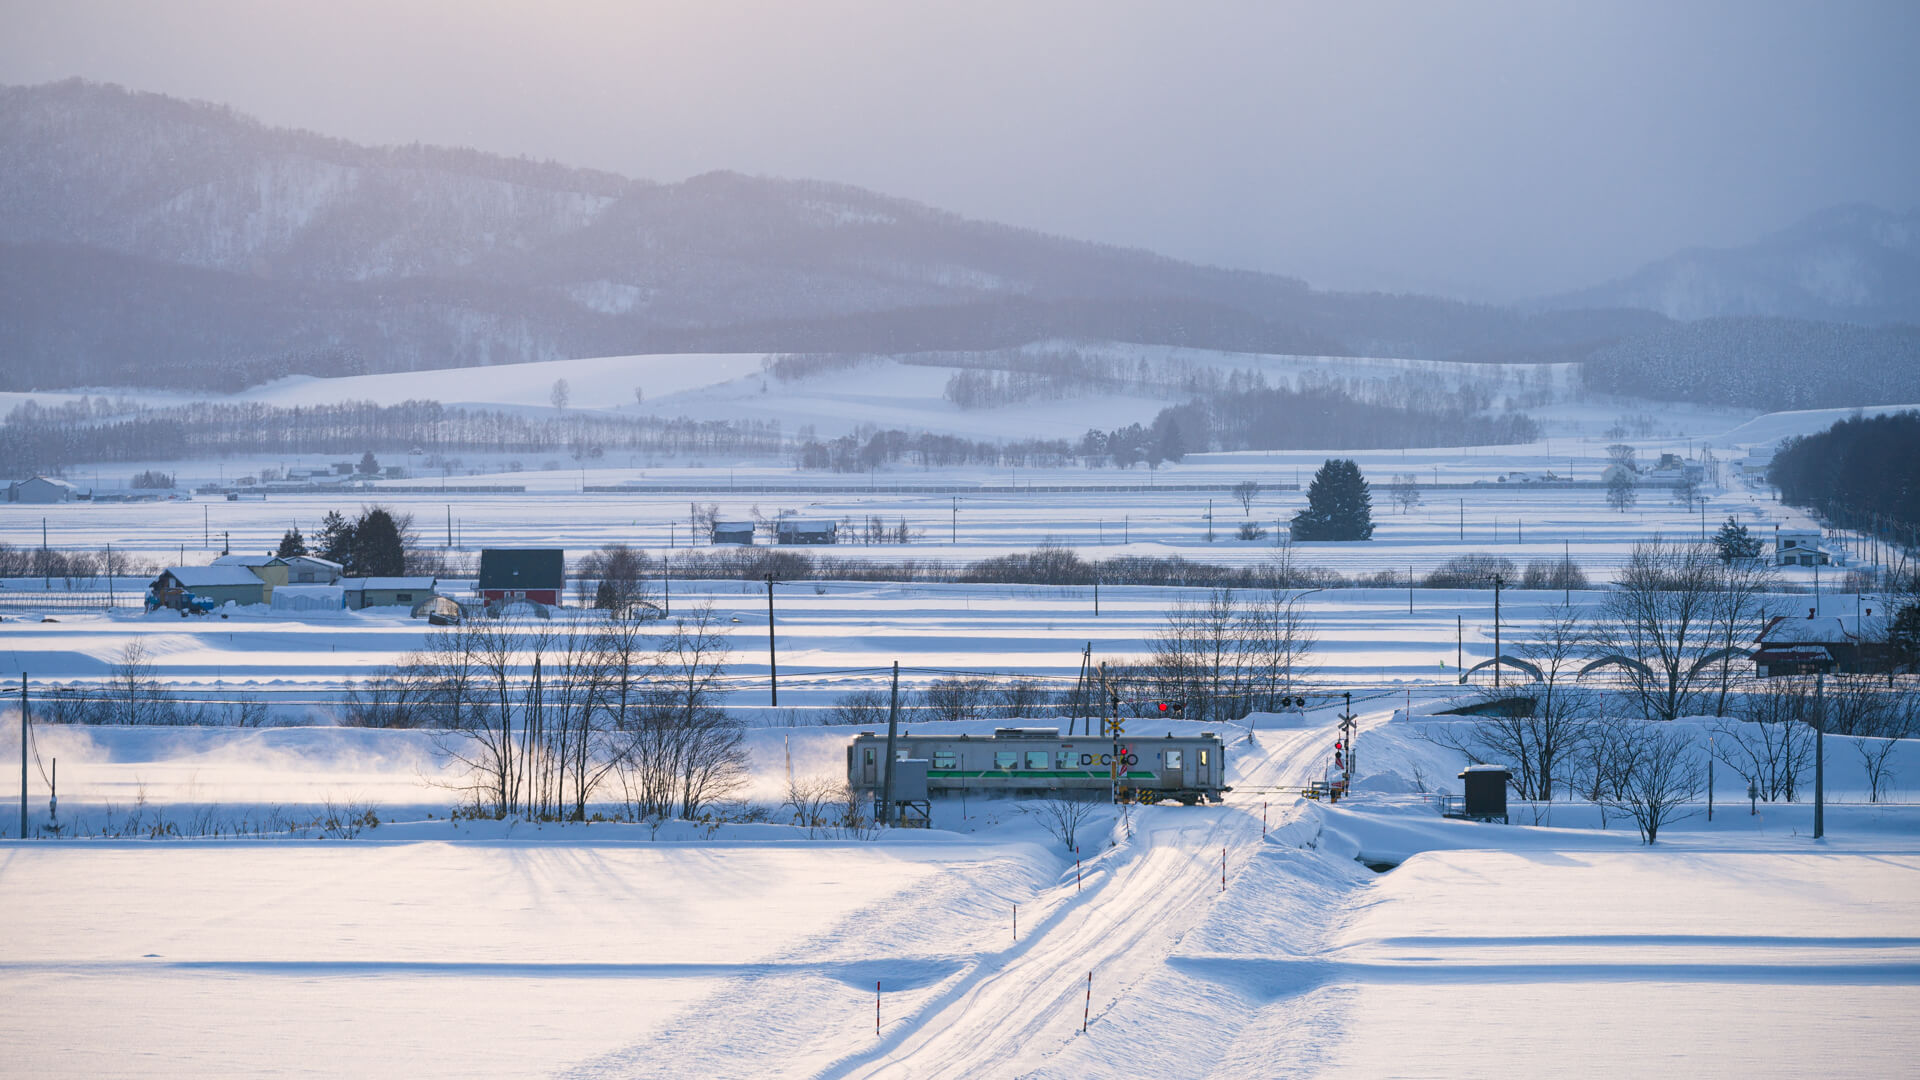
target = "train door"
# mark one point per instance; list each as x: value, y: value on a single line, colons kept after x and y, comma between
x: 1203, y: 766
x: 1173, y: 768
x: 866, y: 765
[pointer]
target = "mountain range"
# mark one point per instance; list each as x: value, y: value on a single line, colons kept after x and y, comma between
x: 1855, y: 264
x: 153, y: 241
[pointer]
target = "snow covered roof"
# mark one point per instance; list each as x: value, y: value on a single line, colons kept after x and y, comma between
x: 1818, y: 631
x: 1488, y: 768
x: 363, y: 584
x: 205, y: 577
x: 315, y: 559
x: 244, y: 560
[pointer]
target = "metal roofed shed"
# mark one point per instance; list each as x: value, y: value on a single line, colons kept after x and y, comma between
x: 1485, y: 797
x: 732, y: 532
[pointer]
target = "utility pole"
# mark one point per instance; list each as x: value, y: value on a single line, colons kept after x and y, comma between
x: 1819, y: 754
x: 1409, y: 590
x: 1209, y: 521
x: 893, y: 730
x: 1459, y: 644
x: 1463, y: 519
x: 666, y: 590
x: 773, y: 669
x: 1096, y: 598
x: 109, y: 569
x: 24, y: 721
x: 1499, y: 580
x: 953, y: 536
x: 1107, y: 696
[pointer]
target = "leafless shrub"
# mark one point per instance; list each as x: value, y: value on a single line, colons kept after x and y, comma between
x: 860, y: 708
x: 1062, y: 814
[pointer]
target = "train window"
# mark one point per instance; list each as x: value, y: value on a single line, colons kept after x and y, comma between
x: 1203, y: 759
x: 1036, y: 760
x: 1005, y: 760
x: 945, y: 759
x: 1173, y: 759
x: 1063, y: 759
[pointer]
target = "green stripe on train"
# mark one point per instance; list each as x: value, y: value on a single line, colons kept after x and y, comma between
x: 943, y: 774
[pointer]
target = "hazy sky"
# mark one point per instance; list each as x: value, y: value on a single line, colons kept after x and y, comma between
x: 1490, y: 150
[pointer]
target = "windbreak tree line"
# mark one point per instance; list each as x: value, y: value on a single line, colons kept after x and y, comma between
x: 1862, y: 473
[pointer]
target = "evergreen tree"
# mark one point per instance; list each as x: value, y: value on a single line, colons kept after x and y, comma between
x: 1339, y: 506
x: 378, y: 549
x: 369, y: 465
x: 336, y: 539
x: 1734, y: 542
x: 292, y: 543
x: 1903, y: 637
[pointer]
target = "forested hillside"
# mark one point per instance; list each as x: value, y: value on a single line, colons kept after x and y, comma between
x: 153, y: 241
x: 1768, y: 364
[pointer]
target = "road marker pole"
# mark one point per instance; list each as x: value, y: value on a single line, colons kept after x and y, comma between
x: 1087, y: 1013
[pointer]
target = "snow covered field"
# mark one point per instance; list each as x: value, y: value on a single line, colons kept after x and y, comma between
x: 341, y: 924
x: 429, y: 948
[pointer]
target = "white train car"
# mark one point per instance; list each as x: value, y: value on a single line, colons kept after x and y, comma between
x: 1189, y: 768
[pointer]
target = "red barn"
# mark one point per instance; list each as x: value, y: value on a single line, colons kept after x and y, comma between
x: 536, y: 574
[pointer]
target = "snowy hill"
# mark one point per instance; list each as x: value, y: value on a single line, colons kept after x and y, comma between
x: 185, y: 245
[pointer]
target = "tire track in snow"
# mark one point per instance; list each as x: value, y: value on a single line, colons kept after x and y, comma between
x: 1008, y: 1015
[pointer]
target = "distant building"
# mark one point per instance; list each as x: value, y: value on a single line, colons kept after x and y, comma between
x: 1816, y: 645
x: 1799, y: 547
x: 536, y: 574
x: 807, y: 531
x: 733, y: 532
x: 311, y: 570
x: 217, y: 584
x: 44, y: 489
x: 387, y: 591
x: 267, y: 568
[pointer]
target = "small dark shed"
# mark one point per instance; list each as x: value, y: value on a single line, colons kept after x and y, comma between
x: 1486, y: 791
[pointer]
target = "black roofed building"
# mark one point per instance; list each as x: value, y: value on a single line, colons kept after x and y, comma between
x: 536, y: 574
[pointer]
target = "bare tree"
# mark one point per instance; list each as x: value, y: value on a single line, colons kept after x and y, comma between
x: 1244, y: 493
x: 1542, y: 745
x: 859, y: 708
x: 698, y: 748
x: 1737, y: 611
x: 958, y: 698
x: 138, y: 698
x: 1197, y: 656
x: 560, y: 394
x: 1278, y: 643
x: 1770, y: 742
x: 1657, y: 626
x: 1406, y: 492
x: 1662, y: 775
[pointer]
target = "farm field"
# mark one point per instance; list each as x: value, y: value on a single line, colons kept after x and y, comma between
x: 755, y: 950
x: 299, y: 898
